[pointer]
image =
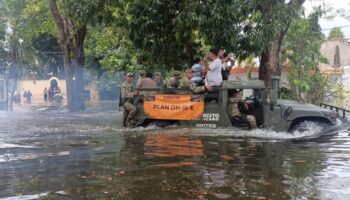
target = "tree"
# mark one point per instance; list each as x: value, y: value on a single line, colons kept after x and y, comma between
x: 178, y: 29
x: 108, y: 52
x: 49, y: 52
x: 165, y: 32
x: 270, y: 55
x: 71, y: 19
x: 15, y: 56
x: 301, y: 53
x: 336, y: 33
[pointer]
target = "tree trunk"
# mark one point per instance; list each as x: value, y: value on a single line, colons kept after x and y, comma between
x: 72, y: 43
x: 269, y: 64
x: 190, y: 53
x: 79, y: 59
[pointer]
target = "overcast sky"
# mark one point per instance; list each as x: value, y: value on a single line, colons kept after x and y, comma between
x: 338, y: 21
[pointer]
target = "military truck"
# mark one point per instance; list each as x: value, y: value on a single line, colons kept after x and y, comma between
x: 169, y: 106
x: 3, y: 100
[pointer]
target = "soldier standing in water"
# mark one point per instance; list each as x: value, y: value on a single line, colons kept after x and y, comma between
x: 127, y: 94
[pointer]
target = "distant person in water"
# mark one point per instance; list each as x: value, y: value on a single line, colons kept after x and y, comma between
x: 29, y: 97
x: 45, y: 94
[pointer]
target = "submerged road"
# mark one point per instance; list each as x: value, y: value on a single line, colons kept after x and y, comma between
x: 54, y: 154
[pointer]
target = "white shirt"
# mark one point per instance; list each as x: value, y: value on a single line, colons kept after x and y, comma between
x: 214, y: 77
x: 223, y: 66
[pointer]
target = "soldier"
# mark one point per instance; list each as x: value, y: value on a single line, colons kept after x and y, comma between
x: 127, y: 94
x: 158, y: 79
x: 174, y: 81
x: 146, y: 81
x: 233, y: 108
x: 142, y: 75
x: 186, y: 82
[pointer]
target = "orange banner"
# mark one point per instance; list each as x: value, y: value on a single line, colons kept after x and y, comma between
x: 174, y: 107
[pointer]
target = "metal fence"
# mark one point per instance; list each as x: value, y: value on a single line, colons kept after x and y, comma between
x: 339, y: 110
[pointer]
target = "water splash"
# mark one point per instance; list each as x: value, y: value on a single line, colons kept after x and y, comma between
x: 26, y: 197
x: 311, y: 130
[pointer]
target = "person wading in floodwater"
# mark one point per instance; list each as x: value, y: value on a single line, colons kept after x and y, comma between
x: 127, y: 94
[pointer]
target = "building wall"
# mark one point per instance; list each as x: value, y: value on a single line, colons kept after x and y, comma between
x: 37, y: 87
x: 328, y: 49
x: 238, y: 74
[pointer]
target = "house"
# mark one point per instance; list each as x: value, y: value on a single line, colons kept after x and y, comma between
x: 337, y: 51
x: 245, y: 73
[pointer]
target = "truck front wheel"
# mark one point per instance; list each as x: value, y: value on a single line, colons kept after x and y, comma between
x: 309, y: 125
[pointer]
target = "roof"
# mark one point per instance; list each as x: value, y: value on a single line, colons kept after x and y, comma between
x: 243, y: 70
x: 332, y: 71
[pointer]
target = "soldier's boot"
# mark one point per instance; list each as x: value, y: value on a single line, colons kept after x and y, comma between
x: 130, y: 125
x: 125, y: 116
x: 252, y: 121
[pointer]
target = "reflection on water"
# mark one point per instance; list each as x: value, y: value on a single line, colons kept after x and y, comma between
x: 171, y: 146
x: 53, y: 154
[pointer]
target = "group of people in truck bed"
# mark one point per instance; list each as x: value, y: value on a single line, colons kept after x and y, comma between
x: 205, y: 76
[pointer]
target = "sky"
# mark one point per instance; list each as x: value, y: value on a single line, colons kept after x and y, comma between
x: 338, y: 21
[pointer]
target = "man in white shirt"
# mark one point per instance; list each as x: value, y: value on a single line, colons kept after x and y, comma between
x: 214, y: 77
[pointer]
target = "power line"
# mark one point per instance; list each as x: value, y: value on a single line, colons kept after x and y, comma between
x: 345, y: 26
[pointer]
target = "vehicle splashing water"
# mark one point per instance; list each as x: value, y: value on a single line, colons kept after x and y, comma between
x: 54, y: 154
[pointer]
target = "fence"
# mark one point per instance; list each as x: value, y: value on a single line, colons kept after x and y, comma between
x: 335, y: 108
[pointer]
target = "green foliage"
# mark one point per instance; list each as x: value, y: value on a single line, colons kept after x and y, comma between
x: 15, y: 52
x: 336, y: 33
x: 48, y: 51
x: 301, y: 53
x: 170, y: 33
x: 165, y: 32
x: 111, y: 48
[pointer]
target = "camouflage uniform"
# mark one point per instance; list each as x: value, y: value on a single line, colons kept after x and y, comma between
x: 127, y: 102
x: 172, y: 83
x: 187, y: 83
x: 234, y: 110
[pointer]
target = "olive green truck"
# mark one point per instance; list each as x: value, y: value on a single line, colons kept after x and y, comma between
x: 275, y: 114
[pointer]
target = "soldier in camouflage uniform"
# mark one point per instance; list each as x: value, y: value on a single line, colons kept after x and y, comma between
x: 127, y: 93
x: 174, y: 82
x: 186, y: 82
x: 234, y: 113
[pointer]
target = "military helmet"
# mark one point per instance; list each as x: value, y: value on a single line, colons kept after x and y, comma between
x: 176, y: 73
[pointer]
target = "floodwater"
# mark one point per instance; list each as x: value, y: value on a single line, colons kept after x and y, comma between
x: 50, y: 153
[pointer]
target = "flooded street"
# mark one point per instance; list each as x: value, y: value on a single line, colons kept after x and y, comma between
x: 54, y: 154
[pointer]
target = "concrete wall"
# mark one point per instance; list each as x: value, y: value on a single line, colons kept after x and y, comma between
x: 37, y: 87
x: 94, y: 94
x: 328, y: 49
x: 238, y: 74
